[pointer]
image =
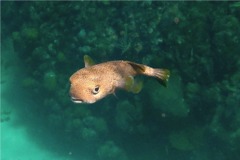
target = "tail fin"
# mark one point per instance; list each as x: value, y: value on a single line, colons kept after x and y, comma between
x: 162, y: 76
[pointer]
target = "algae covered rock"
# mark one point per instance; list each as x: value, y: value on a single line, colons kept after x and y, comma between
x: 186, y: 140
x: 30, y: 33
x: 50, y: 81
x: 127, y: 116
x: 110, y: 151
x: 29, y: 82
x: 169, y: 100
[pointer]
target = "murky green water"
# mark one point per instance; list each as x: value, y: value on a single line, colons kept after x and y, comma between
x: 196, y: 117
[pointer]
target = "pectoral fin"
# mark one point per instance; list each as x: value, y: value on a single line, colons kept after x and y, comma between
x: 137, y: 87
x: 129, y: 82
x: 133, y: 86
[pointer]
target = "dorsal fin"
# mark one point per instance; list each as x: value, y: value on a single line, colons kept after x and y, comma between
x: 88, y: 61
x: 137, y: 67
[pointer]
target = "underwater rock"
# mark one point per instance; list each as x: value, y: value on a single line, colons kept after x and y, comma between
x: 169, y: 100
x: 61, y: 57
x: 16, y: 36
x: 80, y: 112
x: 97, y: 124
x: 40, y: 54
x: 30, y: 33
x: 88, y: 134
x: 84, y: 126
x: 235, y: 138
x: 110, y: 151
x: 50, y: 80
x: 29, y: 82
x: 100, y: 125
x: 82, y: 33
x: 55, y: 120
x: 180, y: 141
x: 127, y: 116
x: 4, y: 115
x: 187, y: 140
x: 85, y: 49
x: 138, y: 47
x: 192, y: 90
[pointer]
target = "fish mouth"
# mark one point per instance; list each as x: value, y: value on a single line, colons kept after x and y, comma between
x: 76, y: 100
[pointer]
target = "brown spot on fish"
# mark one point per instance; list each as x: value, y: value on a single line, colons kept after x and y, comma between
x: 95, y: 82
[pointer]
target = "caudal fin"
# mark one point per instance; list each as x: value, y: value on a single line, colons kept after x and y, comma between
x: 162, y: 76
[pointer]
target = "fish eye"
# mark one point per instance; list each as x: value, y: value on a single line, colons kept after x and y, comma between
x: 95, y: 90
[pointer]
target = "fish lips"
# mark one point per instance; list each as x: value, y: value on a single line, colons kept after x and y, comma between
x: 76, y: 100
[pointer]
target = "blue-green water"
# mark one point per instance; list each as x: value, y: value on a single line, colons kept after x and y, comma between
x: 197, y: 117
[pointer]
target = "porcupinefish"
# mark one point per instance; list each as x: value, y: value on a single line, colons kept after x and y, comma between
x: 95, y: 82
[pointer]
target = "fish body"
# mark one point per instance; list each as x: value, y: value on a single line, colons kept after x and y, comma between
x: 95, y: 82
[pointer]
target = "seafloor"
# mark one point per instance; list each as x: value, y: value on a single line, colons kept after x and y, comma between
x: 197, y: 117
